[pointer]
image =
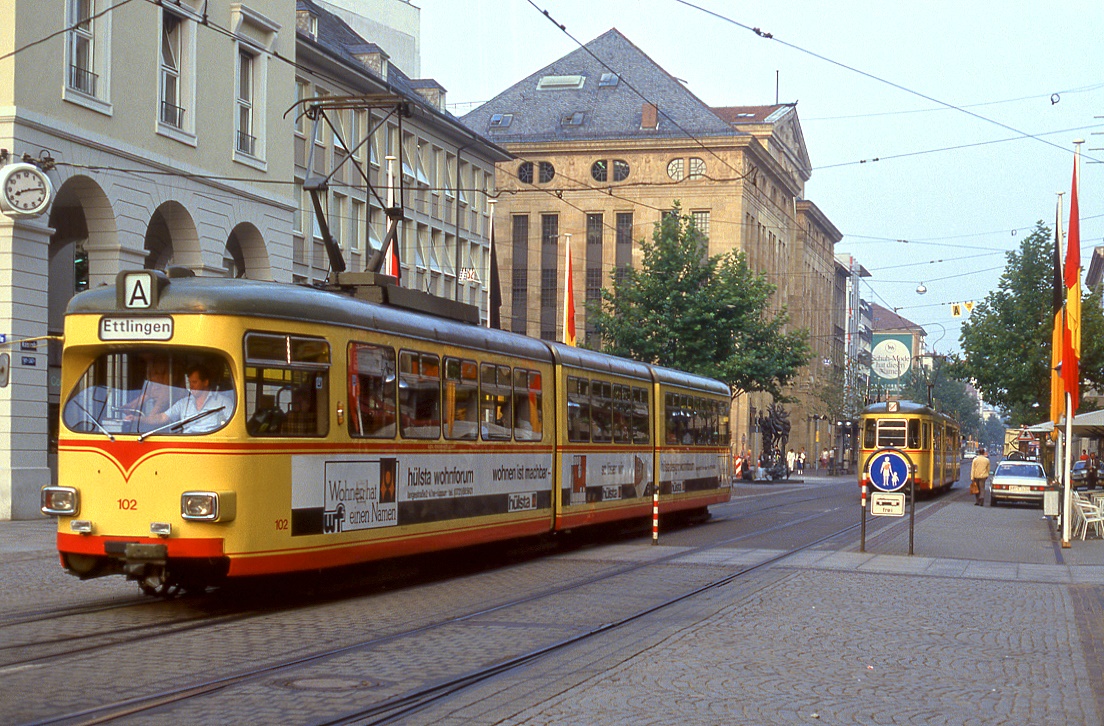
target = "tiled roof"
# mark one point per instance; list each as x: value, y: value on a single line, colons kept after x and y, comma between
x: 608, y: 111
x: 885, y: 319
x: 753, y: 114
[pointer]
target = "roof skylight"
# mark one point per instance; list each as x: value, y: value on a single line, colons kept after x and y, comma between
x: 559, y: 83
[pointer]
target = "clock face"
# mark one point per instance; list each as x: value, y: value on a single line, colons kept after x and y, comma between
x: 25, y: 190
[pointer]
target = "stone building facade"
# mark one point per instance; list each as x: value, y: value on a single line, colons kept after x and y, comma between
x: 606, y: 142
x: 171, y: 140
x: 445, y: 171
x: 165, y: 127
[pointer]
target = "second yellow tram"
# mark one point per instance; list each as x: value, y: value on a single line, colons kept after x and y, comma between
x: 931, y: 440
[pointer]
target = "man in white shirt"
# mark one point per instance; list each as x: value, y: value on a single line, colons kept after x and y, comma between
x: 200, y: 399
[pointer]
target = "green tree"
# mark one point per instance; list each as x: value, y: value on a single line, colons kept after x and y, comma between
x: 950, y: 396
x: 1006, y: 342
x: 704, y: 315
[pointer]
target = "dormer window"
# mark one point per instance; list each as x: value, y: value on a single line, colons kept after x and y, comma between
x: 572, y: 119
x: 501, y: 120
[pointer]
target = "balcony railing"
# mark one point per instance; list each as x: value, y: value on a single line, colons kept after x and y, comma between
x: 83, y: 80
x: 172, y: 115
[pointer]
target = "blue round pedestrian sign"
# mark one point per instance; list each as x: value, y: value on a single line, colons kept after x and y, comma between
x: 888, y: 469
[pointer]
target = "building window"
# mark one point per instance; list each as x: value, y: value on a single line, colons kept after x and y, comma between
x: 356, y: 233
x: 608, y: 80
x: 594, y: 229
x: 545, y: 172
x: 697, y: 168
x: 172, y: 110
x: 593, y: 285
x: 624, y: 246
x: 548, y: 288
x: 247, y: 140
x: 82, y: 44
x: 701, y: 221
x: 302, y: 93
x: 501, y: 120
x: 624, y: 228
x: 550, y: 229
x: 600, y: 170
x: 676, y: 169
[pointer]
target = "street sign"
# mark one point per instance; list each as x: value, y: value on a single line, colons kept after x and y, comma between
x: 887, y: 504
x: 888, y: 469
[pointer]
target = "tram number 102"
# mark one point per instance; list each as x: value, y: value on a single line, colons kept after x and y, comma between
x: 129, y: 505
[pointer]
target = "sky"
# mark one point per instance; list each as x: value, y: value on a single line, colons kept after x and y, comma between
x: 939, y: 132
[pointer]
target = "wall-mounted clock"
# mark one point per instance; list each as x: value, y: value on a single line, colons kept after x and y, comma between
x: 25, y: 190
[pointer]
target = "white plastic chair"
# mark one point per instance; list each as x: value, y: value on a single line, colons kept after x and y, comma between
x: 1088, y: 514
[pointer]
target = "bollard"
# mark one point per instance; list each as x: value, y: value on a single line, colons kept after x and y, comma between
x: 655, y: 516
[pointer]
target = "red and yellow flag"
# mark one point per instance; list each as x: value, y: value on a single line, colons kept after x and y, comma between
x: 569, y: 298
x: 1057, y: 389
x: 1071, y: 343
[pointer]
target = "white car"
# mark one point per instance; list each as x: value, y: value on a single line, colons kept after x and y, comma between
x: 1018, y: 481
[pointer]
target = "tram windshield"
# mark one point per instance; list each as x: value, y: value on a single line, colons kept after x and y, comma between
x: 152, y: 392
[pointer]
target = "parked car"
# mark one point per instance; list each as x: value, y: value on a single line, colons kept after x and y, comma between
x: 1079, y: 474
x: 1018, y: 481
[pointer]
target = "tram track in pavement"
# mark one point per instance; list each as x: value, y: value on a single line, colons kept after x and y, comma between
x: 397, y: 705
x: 27, y: 652
x: 119, y: 635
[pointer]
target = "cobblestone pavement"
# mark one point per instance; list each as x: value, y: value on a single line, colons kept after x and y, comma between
x: 990, y: 622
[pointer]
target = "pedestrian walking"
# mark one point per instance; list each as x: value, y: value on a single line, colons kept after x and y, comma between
x: 979, y: 473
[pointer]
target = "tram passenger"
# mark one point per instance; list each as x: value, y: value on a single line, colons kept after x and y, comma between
x: 200, y: 399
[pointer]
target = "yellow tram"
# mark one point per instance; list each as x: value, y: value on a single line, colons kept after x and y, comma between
x: 219, y: 428
x: 930, y: 439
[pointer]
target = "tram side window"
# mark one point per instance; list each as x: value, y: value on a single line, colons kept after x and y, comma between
x: 578, y: 409
x: 601, y: 411
x: 701, y: 420
x: 870, y: 426
x: 286, y: 385
x: 914, y: 433
x: 926, y: 442
x: 419, y: 395
x: 891, y: 432
x: 641, y: 431
x: 528, y: 425
x: 371, y: 390
x: 622, y: 413
x: 495, y: 398
x: 723, y: 423
x: 672, y: 418
x: 461, y: 399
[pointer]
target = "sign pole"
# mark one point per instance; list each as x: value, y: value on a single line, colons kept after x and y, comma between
x: 912, y: 509
x: 862, y: 503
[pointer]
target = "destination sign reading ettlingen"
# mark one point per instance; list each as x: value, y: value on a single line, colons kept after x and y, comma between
x: 136, y: 328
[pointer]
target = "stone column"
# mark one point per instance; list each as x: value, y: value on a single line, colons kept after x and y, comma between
x: 24, y: 272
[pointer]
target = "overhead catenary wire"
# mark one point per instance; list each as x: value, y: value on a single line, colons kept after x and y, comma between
x: 962, y: 109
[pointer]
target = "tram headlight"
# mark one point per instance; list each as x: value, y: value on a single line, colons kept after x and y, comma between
x: 207, y: 506
x: 63, y: 501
